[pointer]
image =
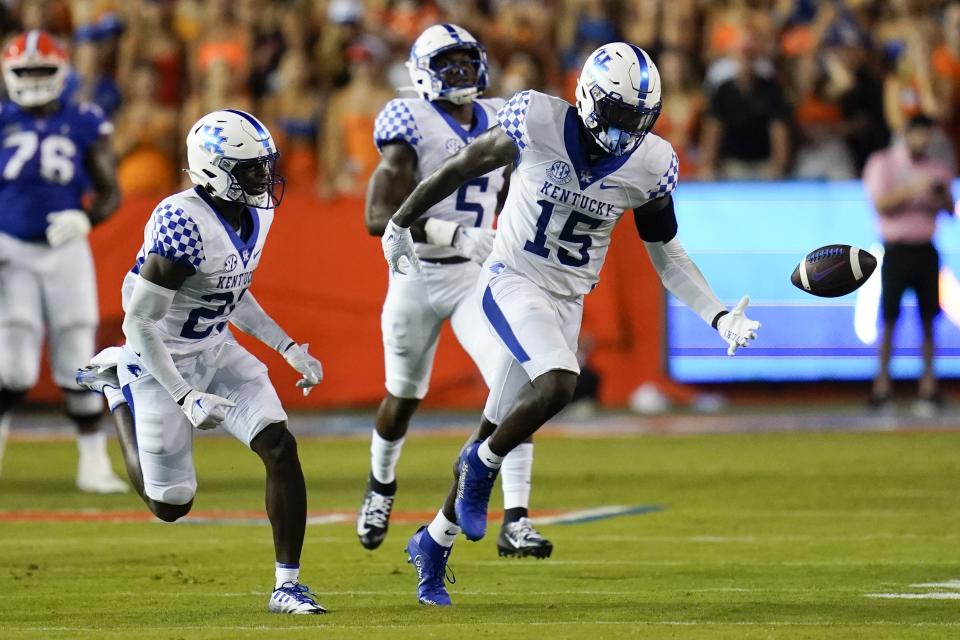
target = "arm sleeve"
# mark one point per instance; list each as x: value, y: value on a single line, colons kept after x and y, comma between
x: 250, y: 318
x: 148, y: 304
x: 682, y: 278
x: 175, y: 236
x: 656, y: 220
x: 395, y: 123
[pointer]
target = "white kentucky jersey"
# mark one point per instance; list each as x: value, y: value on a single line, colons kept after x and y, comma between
x: 186, y: 228
x: 561, y: 209
x: 435, y: 135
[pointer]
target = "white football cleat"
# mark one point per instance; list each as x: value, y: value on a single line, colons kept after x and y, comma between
x: 94, y: 470
x: 294, y: 598
x: 101, y: 372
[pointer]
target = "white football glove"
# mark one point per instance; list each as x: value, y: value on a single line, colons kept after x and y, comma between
x: 67, y: 225
x: 398, y: 249
x: 736, y: 328
x: 306, y: 365
x: 474, y: 243
x: 205, y: 410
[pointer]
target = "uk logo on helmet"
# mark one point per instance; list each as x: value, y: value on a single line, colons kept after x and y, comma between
x: 560, y: 172
x: 212, y: 138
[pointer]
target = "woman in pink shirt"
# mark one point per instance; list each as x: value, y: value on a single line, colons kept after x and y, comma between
x: 908, y: 190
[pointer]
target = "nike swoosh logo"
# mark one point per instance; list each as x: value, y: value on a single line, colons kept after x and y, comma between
x: 604, y: 185
x: 450, y: 533
x: 258, y: 253
x: 200, y: 406
x: 491, y: 461
x: 817, y: 276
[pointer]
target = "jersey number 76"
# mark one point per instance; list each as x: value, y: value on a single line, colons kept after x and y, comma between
x: 56, y: 156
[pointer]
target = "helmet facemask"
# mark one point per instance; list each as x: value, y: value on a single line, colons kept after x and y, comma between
x: 459, y: 76
x: 255, y: 181
x: 618, y: 126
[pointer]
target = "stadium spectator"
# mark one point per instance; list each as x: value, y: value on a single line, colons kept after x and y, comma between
x: 946, y: 70
x: 348, y: 156
x: 150, y: 39
x: 146, y: 140
x: 683, y: 107
x: 745, y: 134
x: 821, y: 150
x: 293, y: 114
x: 908, y: 188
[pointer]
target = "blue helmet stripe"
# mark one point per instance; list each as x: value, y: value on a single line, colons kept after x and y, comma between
x: 644, y: 70
x: 453, y: 32
x: 256, y: 126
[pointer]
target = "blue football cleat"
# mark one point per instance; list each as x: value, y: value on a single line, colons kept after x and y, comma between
x: 430, y: 561
x: 474, y: 486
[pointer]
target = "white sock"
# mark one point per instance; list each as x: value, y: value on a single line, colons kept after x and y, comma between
x: 286, y: 573
x: 93, y: 446
x: 515, y: 475
x: 114, y: 397
x: 384, y: 455
x: 442, y: 530
x: 487, y: 457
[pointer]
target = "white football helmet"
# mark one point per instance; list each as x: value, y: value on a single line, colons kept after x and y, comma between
x: 429, y: 81
x: 618, y: 96
x: 224, y: 150
x: 35, y: 69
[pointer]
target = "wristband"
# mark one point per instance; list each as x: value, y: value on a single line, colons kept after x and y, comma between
x: 716, y: 318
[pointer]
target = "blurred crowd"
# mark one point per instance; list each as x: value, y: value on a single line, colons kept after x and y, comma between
x: 752, y: 88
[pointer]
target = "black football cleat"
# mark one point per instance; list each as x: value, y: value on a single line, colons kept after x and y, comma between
x: 374, y: 517
x: 520, y: 539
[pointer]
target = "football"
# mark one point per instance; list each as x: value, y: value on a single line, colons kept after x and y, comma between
x: 833, y: 270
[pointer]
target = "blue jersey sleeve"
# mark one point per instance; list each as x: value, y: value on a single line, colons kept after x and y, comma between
x: 175, y: 236
x: 513, y: 118
x: 395, y: 123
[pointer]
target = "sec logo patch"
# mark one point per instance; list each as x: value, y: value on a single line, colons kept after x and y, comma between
x: 230, y: 263
x: 453, y: 145
x: 559, y: 172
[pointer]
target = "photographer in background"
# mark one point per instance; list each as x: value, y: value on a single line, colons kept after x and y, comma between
x: 908, y: 189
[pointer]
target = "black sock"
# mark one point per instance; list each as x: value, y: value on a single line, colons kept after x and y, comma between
x: 514, y: 514
x: 383, y: 489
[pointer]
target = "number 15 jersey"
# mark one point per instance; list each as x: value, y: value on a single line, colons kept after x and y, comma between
x: 187, y: 228
x: 561, y: 209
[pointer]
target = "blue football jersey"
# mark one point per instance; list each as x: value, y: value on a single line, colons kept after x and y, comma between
x: 43, y: 164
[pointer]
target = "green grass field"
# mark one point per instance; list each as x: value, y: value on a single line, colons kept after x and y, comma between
x: 760, y: 536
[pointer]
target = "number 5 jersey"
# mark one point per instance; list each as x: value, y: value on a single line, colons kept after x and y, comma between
x: 43, y: 159
x: 561, y: 208
x: 186, y: 228
x: 434, y: 136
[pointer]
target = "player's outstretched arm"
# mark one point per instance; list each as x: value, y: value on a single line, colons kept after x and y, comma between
x: 491, y: 150
x: 251, y: 318
x: 657, y: 225
x: 150, y: 301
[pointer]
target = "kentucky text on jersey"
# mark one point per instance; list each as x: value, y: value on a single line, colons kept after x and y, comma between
x: 239, y: 280
x: 578, y: 200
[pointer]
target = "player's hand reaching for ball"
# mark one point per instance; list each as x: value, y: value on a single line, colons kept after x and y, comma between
x: 736, y: 328
x: 398, y: 249
x: 67, y: 225
x: 205, y: 410
x: 306, y: 365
